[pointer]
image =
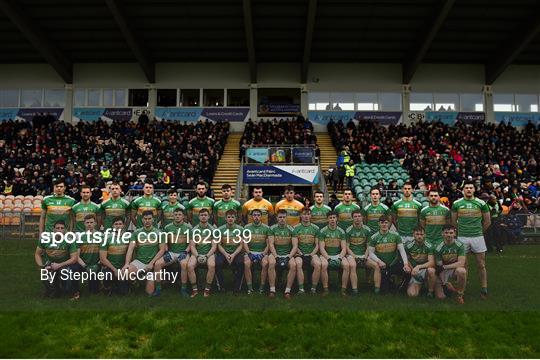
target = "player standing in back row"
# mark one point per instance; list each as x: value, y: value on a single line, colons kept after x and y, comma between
x: 319, y: 210
x: 147, y: 202
x: 291, y: 205
x: 433, y: 217
x: 471, y: 216
x: 225, y: 204
x: 405, y: 214
x: 374, y: 210
x: 201, y: 201
x: 345, y: 209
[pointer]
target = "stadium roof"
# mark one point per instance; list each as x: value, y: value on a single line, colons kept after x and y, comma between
x: 62, y: 32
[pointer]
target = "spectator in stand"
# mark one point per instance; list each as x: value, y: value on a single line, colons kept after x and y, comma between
x: 278, y: 132
x: 94, y: 153
x: 444, y: 156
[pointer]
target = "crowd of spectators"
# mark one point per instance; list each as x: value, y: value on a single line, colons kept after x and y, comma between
x: 500, y: 158
x: 94, y: 153
x: 298, y: 131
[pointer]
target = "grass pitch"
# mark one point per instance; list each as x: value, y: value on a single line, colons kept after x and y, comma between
x: 506, y: 325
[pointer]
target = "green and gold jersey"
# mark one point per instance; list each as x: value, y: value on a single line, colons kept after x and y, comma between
x: 386, y: 246
x: 221, y: 207
x: 112, y: 209
x: 344, y: 212
x: 435, y: 218
x: 89, y: 250
x: 448, y: 254
x: 197, y: 204
x: 116, y: 250
x: 168, y: 212
x: 358, y: 238
x: 56, y: 253
x: 332, y: 239
x: 80, y: 210
x: 406, y: 213
x: 177, y: 241
x: 318, y: 215
x: 203, y: 237
x: 307, y: 236
x: 372, y: 213
x: 148, y: 241
x: 469, y: 216
x: 231, y: 237
x: 57, y: 208
x: 144, y: 203
x: 259, y: 236
x: 418, y: 253
x: 283, y: 235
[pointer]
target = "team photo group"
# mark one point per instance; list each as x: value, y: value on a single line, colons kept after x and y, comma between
x: 286, y: 248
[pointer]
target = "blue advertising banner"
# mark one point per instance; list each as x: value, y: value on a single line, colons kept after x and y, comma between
x: 324, y: 117
x: 28, y: 113
x: 273, y: 109
x: 257, y: 155
x: 450, y: 117
x: 382, y: 117
x: 192, y: 114
x: 281, y: 174
x: 97, y: 113
x: 517, y: 119
x: 303, y: 155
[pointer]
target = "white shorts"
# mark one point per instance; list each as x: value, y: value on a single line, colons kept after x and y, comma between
x: 138, y: 264
x: 419, y: 278
x: 475, y: 244
x: 407, y: 239
x: 446, y: 275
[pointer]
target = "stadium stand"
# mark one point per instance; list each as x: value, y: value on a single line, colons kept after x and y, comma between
x: 278, y: 132
x: 502, y: 159
x: 93, y: 153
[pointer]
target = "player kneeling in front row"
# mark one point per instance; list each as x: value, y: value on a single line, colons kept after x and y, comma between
x: 450, y: 256
x: 230, y: 252
x: 52, y: 258
x: 177, y: 251
x: 112, y: 255
x: 357, y: 237
x: 387, y: 251
x: 203, y: 248
x: 422, y: 263
x: 307, y: 234
x: 283, y: 245
x: 146, y: 244
x: 256, y: 250
x: 333, y: 249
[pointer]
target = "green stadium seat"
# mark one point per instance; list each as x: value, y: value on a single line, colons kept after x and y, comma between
x: 400, y: 182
